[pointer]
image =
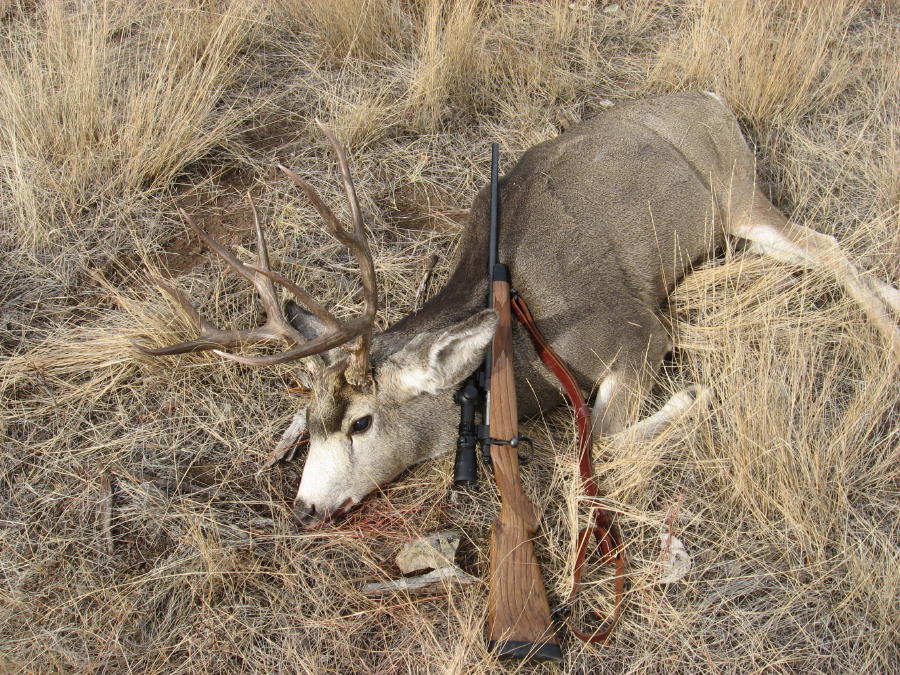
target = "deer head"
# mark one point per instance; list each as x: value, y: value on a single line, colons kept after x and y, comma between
x: 369, y: 419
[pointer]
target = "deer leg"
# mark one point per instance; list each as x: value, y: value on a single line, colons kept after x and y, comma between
x: 617, y: 401
x: 770, y: 234
x: 627, y: 381
x: 687, y: 400
x: 621, y: 392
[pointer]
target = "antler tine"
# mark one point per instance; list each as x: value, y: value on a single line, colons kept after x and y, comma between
x: 214, y: 245
x: 305, y: 298
x: 349, y: 188
x: 331, y: 221
x: 357, y: 244
x: 357, y: 372
x: 201, y: 324
x: 276, y: 327
x: 198, y: 321
x: 317, y: 345
x: 260, y: 276
x: 360, y: 246
x: 262, y: 268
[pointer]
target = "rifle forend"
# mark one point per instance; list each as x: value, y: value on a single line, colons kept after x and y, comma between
x: 519, y: 621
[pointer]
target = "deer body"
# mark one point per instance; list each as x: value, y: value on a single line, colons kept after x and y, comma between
x: 597, y: 227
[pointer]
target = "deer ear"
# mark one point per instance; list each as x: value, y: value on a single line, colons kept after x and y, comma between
x: 434, y: 362
x: 309, y: 326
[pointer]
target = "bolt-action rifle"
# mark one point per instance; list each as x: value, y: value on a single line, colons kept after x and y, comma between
x: 518, y: 622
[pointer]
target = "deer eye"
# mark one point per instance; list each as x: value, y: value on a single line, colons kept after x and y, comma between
x: 361, y: 424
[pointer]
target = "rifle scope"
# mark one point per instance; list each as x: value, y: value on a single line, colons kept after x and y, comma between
x: 465, y: 468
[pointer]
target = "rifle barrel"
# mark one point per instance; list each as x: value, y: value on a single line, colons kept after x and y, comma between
x: 495, y: 215
x: 491, y: 271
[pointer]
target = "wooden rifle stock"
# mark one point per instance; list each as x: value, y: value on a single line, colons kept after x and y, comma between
x: 519, y: 621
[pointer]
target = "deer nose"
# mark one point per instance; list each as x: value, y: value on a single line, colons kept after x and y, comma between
x: 305, y: 513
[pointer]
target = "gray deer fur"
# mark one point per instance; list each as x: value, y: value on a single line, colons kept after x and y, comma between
x: 597, y: 226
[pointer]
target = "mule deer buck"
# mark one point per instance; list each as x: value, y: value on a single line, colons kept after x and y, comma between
x: 598, y: 226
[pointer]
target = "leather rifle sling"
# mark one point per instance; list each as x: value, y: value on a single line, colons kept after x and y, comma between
x: 603, y: 529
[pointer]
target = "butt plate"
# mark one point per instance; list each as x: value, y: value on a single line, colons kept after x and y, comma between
x: 549, y: 651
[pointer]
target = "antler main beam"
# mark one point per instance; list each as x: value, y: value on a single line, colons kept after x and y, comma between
x: 276, y: 327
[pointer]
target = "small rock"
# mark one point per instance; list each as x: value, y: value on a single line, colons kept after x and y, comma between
x: 431, y: 552
x: 611, y: 9
x: 676, y: 562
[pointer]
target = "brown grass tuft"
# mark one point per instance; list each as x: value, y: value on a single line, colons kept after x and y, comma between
x: 364, y: 29
x: 447, y: 63
x: 772, y: 61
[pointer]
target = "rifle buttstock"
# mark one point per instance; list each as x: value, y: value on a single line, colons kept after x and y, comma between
x: 519, y: 622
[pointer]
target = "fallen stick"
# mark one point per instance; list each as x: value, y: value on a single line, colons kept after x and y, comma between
x: 422, y: 292
x: 106, y: 505
x: 445, y: 575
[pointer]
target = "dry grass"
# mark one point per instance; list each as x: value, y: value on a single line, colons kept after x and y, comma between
x: 781, y: 60
x: 785, y: 493
x: 102, y: 102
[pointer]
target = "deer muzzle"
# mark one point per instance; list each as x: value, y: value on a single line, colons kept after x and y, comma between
x: 310, y: 517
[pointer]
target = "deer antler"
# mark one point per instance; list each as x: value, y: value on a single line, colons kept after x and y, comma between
x: 357, y: 331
